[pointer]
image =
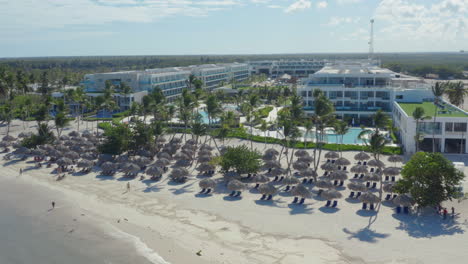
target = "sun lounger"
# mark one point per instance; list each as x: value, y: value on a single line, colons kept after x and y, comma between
x: 362, y: 176
x: 287, y: 188
x: 359, y: 163
x: 302, y: 201
x: 364, y: 206
x: 310, y: 181
x: 263, y: 197
x: 282, y: 178
x: 335, y: 203
x: 328, y: 203
x: 339, y: 167
x: 356, y: 175
x: 256, y: 185
x: 406, y: 210
x: 275, y: 179
x: 387, y: 178
x: 325, y: 174
x: 345, y: 168
x: 333, y: 161
x: 203, y: 190
x: 335, y: 182
x: 351, y: 195
x: 367, y: 184
x: 232, y: 193
x: 364, y: 163
x: 394, y: 196
x: 209, y: 190
x: 358, y: 194
x: 319, y: 192
x: 295, y: 200
x: 238, y: 194
x: 388, y: 197
x: 398, y: 209
x: 374, y: 185
x: 304, y: 181
x: 328, y: 160
x: 371, y: 207
x: 269, y: 197
x: 393, y: 178
x: 371, y: 169
x: 341, y: 183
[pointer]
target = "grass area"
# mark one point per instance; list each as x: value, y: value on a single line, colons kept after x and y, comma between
x: 430, y: 108
x: 264, y: 112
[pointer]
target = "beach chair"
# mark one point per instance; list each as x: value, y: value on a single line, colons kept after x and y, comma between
x: 364, y: 163
x: 281, y: 179
x: 351, y: 195
x: 295, y: 200
x: 276, y: 178
x: 341, y: 183
x: 358, y: 194
x: 371, y: 207
x: 388, y: 197
x: 345, y: 168
x: 374, y: 185
x: 394, y: 196
x: 328, y: 160
x: 362, y: 176
x: 406, y: 210
x: 209, y: 190
x: 339, y: 167
x: 256, y: 185
x: 393, y: 178
x: 232, y: 193
x: 310, y: 181
x: 328, y: 204
x: 387, y: 178
x: 356, y: 175
x: 319, y: 192
x: 364, y: 206
x: 326, y: 173
x: 333, y: 161
x: 302, y: 201
x: 359, y: 163
x: 398, y: 209
x: 287, y: 188
x: 304, y: 181
x: 238, y: 194
x: 203, y: 190
x: 269, y: 197
x: 367, y: 184
x: 263, y: 197
x: 335, y: 203
x: 371, y: 169
x: 335, y: 182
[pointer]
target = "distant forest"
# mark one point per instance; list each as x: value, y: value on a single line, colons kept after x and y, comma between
x: 446, y: 65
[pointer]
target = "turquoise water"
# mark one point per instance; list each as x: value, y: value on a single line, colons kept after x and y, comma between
x: 349, y: 138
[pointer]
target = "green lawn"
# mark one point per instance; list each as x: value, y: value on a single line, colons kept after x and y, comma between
x: 429, y: 109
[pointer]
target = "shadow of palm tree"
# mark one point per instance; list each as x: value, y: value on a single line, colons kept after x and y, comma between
x: 300, y: 209
x: 424, y: 226
x: 365, y: 235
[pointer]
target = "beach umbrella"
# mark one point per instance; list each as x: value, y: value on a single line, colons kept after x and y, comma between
x: 388, y: 187
x: 145, y: 153
x: 64, y: 138
x: 105, y: 157
x: 109, y: 166
x: 206, y: 147
x: 267, y: 189
x: 4, y: 144
x: 290, y: 180
x: 278, y: 172
x: 270, y: 164
x: 300, y: 165
x: 76, y: 148
x: 231, y: 175
x: 376, y: 163
x: 64, y: 162
x: 207, y: 184
x: 161, y: 140
x: 189, y: 150
x: 38, y: 152
x: 142, y: 161
x: 54, y: 153
x: 22, y: 150
x: 170, y: 149
x: 179, y: 173
x: 162, y: 162
x: 154, y: 171
x: 9, y: 138
x: 271, y: 151
x: 87, y: 144
x: 328, y: 166
x: 131, y: 168
x: 46, y: 147
x: 359, y: 169
x: 342, y: 162
x: 375, y: 177
x: 61, y: 148
x: 176, y: 141
x: 309, y: 172
x: 24, y: 134
x: 204, y: 152
x: 339, y: 175
x: 85, y: 164
x: 182, y: 156
x: 403, y: 200
x: 164, y: 155
x: 301, y: 191
x: 395, y: 158
x: 331, y: 194
x: 368, y: 197
x: 74, y: 134
x: 305, y: 159
x: 16, y: 144
x: 362, y: 156
x: 190, y: 142
x: 206, y: 167
x: 183, y: 163
x: 87, y: 134
x: 260, y: 178
x: 332, y: 155
x: 357, y: 186
x: 122, y: 158
x: 236, y: 185
x: 301, y: 153
x: 72, y: 155
x: 87, y: 156
x: 267, y: 157
x: 204, y: 158
x: 68, y: 143
x: 391, y: 171
x: 323, y: 184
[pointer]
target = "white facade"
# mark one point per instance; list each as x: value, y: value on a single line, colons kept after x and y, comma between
x: 295, y: 68
x: 450, y: 133
x: 359, y: 88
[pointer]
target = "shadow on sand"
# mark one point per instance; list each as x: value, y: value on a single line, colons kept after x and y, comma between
x: 366, y: 213
x: 231, y: 198
x: 365, y: 235
x: 203, y: 195
x: 299, y: 209
x: 272, y: 203
x: 329, y: 210
x: 424, y: 226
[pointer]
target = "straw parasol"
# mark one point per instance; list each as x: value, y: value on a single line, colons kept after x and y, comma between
x: 270, y: 164
x: 109, y: 166
x: 404, y: 200
x: 24, y: 134
x: 204, y: 158
x: 306, y: 159
x: 131, y: 168
x: 267, y: 189
x: 122, y: 158
x: 342, y: 162
x: 154, y: 171
x: 72, y: 155
x: 164, y: 155
x: 204, y: 152
x: 309, y: 172
x: 54, y: 153
x: 271, y: 151
x: 268, y: 156
x: 300, y: 165
x: 161, y: 140
x: 332, y: 155
x: 278, y: 172
x: 328, y: 167
x: 339, y: 175
x: 323, y: 184
x: 301, y: 191
x: 22, y: 150
x: 206, y: 167
x: 85, y: 164
x: 190, y: 142
x: 105, y: 157
x: 64, y: 162
x: 38, y: 152
x: 74, y: 134
x: 391, y: 171
x: 207, y: 184
x: 362, y: 156
x: 175, y: 141
x: 260, y: 178
x: 331, y: 194
x: 235, y: 185
x: 4, y: 144
x: 145, y: 153
x: 87, y: 134
x: 368, y: 197
x: 231, y: 175
x: 301, y: 153
x: 395, y: 158
x: 375, y: 177
x: 291, y: 180
x: 9, y: 138
x: 179, y: 173
x: 76, y: 148
x: 376, y: 163
x: 162, y: 162
x: 182, y: 156
x: 182, y: 163
x: 206, y: 147
x: 359, y: 169
x: 61, y: 148
x: 357, y: 186
x: 388, y: 187
x: 142, y: 161
x: 64, y: 138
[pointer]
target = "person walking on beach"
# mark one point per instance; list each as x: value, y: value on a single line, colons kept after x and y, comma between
x: 128, y: 186
x: 445, y: 213
x: 453, y: 212
x: 53, y: 204
x: 21, y: 171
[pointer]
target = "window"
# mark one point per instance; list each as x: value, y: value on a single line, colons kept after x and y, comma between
x: 459, y: 127
x: 448, y: 127
x: 399, y: 96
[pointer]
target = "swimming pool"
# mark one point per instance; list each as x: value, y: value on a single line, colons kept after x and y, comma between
x: 349, y: 138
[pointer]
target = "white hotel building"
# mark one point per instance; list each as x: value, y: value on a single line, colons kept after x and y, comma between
x: 359, y: 88
x: 295, y: 68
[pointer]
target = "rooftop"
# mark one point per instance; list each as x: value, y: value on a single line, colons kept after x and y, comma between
x: 430, y: 108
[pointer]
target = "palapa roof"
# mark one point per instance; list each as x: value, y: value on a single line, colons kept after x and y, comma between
x: 332, y: 155
x: 342, y: 162
x: 309, y: 172
x: 235, y: 185
x: 260, y: 178
x: 359, y: 169
x: 323, y: 184
x: 301, y: 191
x: 331, y: 194
x: 267, y: 189
x: 109, y: 166
x: 362, y: 156
x: 64, y: 162
x: 372, y: 176
x: 300, y: 165
x: 206, y: 167
x: 290, y: 180
x: 404, y: 200
x: 368, y: 197
x: 339, y: 175
x: 328, y: 166
x: 357, y: 186
x: 270, y: 164
x: 85, y: 164
x: 271, y: 151
x: 154, y: 170
x: 207, y: 183
x: 391, y: 171
x: 301, y: 153
x: 376, y: 163
x: 306, y: 159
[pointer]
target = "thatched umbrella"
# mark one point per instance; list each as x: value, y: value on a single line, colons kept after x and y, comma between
x: 162, y: 162
x: 305, y: 159
x: 108, y: 167
x: 228, y: 176
x: 374, y: 177
x: 4, y: 144
x: 300, y: 191
x: 206, y: 147
x: 391, y: 171
x: 182, y: 156
x: 388, y: 187
x: 161, y: 140
x: 404, y: 200
x: 87, y: 134
x: 105, y: 157
x: 24, y: 134
x: 270, y: 164
x: 175, y: 141
x: 54, y: 154
x: 72, y: 155
x: 259, y: 178
x: 309, y: 172
x: 171, y: 150
x: 61, y: 148
x: 357, y: 186
x: 328, y: 166
x: 342, y: 162
x: 68, y: 143
x: 86, y: 164
x: 145, y: 153
x: 9, y: 138
x: 236, y: 187
x: 131, y: 168
x: 74, y: 134
x: 87, y: 144
x: 291, y: 180
x: 122, y: 158
x: 204, y: 158
x: 395, y: 158
x: 190, y: 152
x: 190, y: 142
x: 182, y: 163
x: 323, y: 184
x: 331, y: 194
x: 164, y: 155
x: 376, y: 163
x: 332, y: 155
x: 207, y: 184
x: 362, y: 156
x: 339, y: 175
x: 204, y: 152
x: 64, y: 162
x: 22, y: 150
x: 368, y: 197
x: 301, y: 153
x: 268, y: 156
x: 64, y: 138
x: 276, y: 172
x: 38, y: 152
x: 359, y: 169
x: 267, y: 190
x: 154, y: 171
x: 179, y: 174
x: 272, y: 151
x: 142, y: 161
x: 76, y: 148
x: 300, y: 165
x: 204, y: 167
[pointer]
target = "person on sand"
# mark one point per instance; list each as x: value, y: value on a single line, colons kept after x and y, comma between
x: 445, y: 213
x: 128, y: 186
x: 21, y: 171
x: 53, y: 204
x: 453, y: 212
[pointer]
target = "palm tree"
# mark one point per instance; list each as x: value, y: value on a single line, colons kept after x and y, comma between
x: 418, y: 115
x: 264, y: 129
x: 377, y: 144
x: 213, y: 109
x: 6, y: 115
x: 381, y: 120
x: 308, y: 125
x: 291, y: 133
x: 438, y: 90
x: 341, y: 128
x: 61, y: 121
x: 456, y: 93
x: 125, y: 90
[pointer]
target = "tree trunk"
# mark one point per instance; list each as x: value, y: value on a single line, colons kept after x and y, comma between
x: 433, y: 128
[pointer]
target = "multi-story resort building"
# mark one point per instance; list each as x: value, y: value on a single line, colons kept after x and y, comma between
x: 294, y: 68
x: 359, y: 88
x: 170, y: 80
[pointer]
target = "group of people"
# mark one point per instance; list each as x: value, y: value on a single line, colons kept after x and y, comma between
x: 444, y: 212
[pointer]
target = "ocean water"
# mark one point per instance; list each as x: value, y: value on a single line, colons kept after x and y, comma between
x: 32, y: 233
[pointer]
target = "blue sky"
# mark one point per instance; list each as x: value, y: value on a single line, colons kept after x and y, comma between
x: 160, y: 27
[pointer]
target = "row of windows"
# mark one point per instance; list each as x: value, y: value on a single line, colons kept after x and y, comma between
x: 352, y: 94
x: 455, y: 127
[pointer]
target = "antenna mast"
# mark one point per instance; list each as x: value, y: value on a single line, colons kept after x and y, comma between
x: 371, y: 41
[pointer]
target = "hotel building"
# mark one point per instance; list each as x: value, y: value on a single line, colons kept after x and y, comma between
x: 295, y: 68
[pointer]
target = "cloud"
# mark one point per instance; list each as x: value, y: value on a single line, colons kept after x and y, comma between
x: 342, y: 2
x: 298, y: 6
x: 322, y: 4
x: 336, y: 21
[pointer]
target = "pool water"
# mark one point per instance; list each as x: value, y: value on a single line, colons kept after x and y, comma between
x: 349, y: 138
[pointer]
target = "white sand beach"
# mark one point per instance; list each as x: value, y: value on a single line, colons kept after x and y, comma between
x: 175, y: 222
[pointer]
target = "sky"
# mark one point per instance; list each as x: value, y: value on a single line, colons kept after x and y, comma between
x: 177, y: 27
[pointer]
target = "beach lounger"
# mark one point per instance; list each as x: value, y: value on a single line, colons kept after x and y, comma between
x: 269, y: 197
x: 295, y: 200
x: 328, y: 160
x: 335, y: 182
x: 325, y: 174
x: 351, y: 195
x: 358, y: 194
x: 393, y: 178
x: 310, y: 181
x: 371, y: 207
x: 335, y: 203
x: 339, y: 167
x: 371, y: 169
x: 367, y: 184
x: 209, y: 190
x: 238, y: 194
x: 364, y: 206
x: 341, y: 183
x: 304, y: 181
x: 359, y: 163
x: 362, y: 176
x: 364, y: 163
x: 333, y: 161
x: 387, y: 178
x: 263, y: 197
x: 203, y: 190
x: 388, y: 197
x: 276, y: 178
x: 345, y: 168
x: 281, y: 179
x: 302, y: 201
x: 406, y: 210
x: 356, y: 175
x: 319, y: 192
x: 398, y: 209
x: 328, y: 204
x: 287, y: 188
x: 232, y: 193
x: 394, y: 196
x: 374, y: 185
x: 256, y: 185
